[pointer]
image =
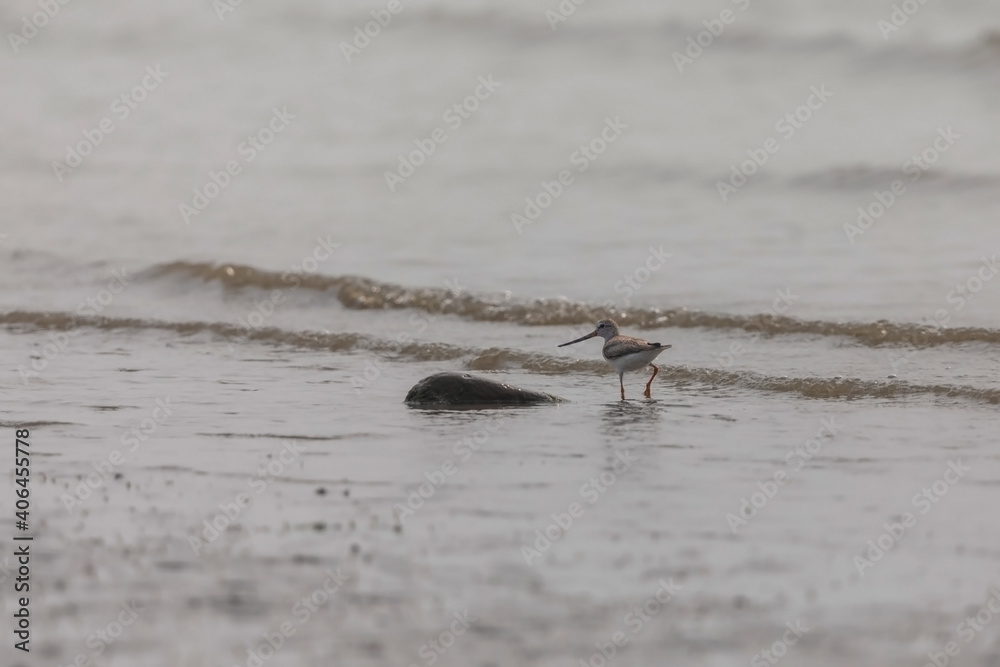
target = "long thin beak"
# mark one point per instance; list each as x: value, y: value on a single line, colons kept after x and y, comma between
x: 590, y: 335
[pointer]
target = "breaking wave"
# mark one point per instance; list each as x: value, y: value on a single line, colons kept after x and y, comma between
x: 357, y: 292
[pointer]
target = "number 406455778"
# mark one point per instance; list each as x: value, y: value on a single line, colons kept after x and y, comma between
x: 21, y: 475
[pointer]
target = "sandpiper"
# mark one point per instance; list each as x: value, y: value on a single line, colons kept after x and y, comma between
x: 625, y: 353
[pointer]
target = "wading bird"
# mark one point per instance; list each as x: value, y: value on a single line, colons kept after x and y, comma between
x: 624, y: 352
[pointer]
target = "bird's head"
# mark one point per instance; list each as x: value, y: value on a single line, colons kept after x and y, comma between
x: 605, y: 329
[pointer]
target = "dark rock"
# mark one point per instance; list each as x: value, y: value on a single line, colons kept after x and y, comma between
x: 465, y: 390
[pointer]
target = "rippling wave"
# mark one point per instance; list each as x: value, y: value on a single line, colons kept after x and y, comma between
x: 499, y: 359
x: 528, y: 27
x: 863, y: 177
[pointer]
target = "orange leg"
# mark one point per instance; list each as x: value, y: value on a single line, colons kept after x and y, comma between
x: 650, y: 383
x: 622, y: 383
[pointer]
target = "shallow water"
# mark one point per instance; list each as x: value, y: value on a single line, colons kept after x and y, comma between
x: 818, y: 391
